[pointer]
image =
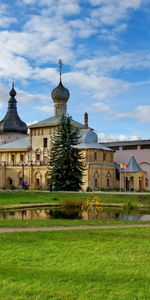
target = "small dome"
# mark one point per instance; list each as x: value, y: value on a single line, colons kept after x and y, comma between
x: 60, y: 93
x: 88, y: 136
x: 12, y: 92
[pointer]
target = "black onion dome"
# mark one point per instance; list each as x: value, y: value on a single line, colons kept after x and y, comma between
x: 12, y: 121
x: 12, y: 92
x: 60, y: 93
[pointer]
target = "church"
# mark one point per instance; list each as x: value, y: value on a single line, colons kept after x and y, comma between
x: 24, y: 152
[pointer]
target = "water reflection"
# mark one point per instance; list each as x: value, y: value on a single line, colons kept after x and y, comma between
x: 88, y: 214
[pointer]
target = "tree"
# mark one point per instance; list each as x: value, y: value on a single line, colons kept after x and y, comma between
x: 65, y: 166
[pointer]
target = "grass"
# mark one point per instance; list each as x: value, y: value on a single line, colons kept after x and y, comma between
x: 21, y: 197
x: 108, y: 264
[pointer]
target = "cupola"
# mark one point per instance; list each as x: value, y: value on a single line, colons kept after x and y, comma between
x: 60, y: 95
x: 12, y: 121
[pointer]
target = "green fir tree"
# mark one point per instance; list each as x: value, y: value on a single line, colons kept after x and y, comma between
x: 65, y: 164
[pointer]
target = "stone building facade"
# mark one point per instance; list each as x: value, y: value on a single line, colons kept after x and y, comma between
x: 24, y: 157
x: 140, y: 149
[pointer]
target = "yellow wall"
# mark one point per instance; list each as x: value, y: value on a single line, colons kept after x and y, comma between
x: 99, y: 170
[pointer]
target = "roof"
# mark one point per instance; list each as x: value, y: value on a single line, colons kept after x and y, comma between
x: 133, y: 165
x: 60, y: 93
x: 126, y: 143
x: 12, y: 122
x: 93, y: 146
x: 88, y: 135
x: 89, y: 140
x: 18, y: 144
x: 54, y: 121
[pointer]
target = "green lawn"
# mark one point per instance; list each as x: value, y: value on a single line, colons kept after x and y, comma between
x: 76, y: 265
x: 19, y: 197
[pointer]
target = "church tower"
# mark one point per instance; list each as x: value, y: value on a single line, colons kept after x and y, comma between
x: 60, y: 95
x: 12, y: 127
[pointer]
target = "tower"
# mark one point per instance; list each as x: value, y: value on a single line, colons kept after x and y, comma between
x: 12, y: 127
x: 60, y: 95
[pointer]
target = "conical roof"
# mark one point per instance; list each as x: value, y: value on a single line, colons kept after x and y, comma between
x: 133, y: 165
x: 12, y: 121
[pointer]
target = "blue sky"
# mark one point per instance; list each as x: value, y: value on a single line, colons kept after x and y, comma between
x: 105, y: 48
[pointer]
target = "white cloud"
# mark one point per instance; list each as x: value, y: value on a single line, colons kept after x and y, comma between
x: 45, y: 109
x: 5, y: 18
x: 101, y: 87
x: 113, y: 11
x: 82, y: 28
x: 109, y: 63
x: 46, y: 74
x: 63, y: 7
x: 12, y: 66
x: 142, y: 113
x: 106, y: 137
x: 100, y: 107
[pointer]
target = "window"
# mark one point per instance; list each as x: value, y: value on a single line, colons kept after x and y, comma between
x: 45, y: 142
x: 108, y: 183
x: 145, y: 146
x: 22, y: 157
x: 146, y: 182
x: 96, y: 182
x: 13, y: 159
x: 95, y: 155
x: 129, y: 147
x: 9, y: 181
x: 104, y: 156
x: 37, y: 182
x: 114, y: 147
x: 20, y: 180
x: 37, y: 156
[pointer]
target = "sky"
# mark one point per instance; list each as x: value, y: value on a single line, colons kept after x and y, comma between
x: 105, y: 49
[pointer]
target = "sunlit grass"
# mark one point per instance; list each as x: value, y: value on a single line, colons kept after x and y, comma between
x: 75, y: 265
x: 21, y: 197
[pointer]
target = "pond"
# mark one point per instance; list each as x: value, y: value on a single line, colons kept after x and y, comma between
x: 76, y: 213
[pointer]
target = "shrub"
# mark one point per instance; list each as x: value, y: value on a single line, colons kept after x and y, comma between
x: 88, y: 189
x: 11, y: 187
x: 129, y: 207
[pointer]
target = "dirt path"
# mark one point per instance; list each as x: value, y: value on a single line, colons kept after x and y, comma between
x: 59, y: 228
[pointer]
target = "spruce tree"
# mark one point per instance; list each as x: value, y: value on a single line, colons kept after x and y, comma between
x: 65, y: 166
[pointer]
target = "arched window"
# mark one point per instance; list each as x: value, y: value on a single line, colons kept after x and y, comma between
x: 13, y: 159
x: 96, y: 176
x: 38, y: 179
x: 146, y: 182
x: 104, y: 156
x: 9, y: 181
x: 95, y: 155
x: 37, y: 154
x: 95, y: 183
x: 108, y: 183
x: 108, y: 178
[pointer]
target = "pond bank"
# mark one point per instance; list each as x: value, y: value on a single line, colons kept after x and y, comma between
x: 63, y: 228
x: 50, y: 205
